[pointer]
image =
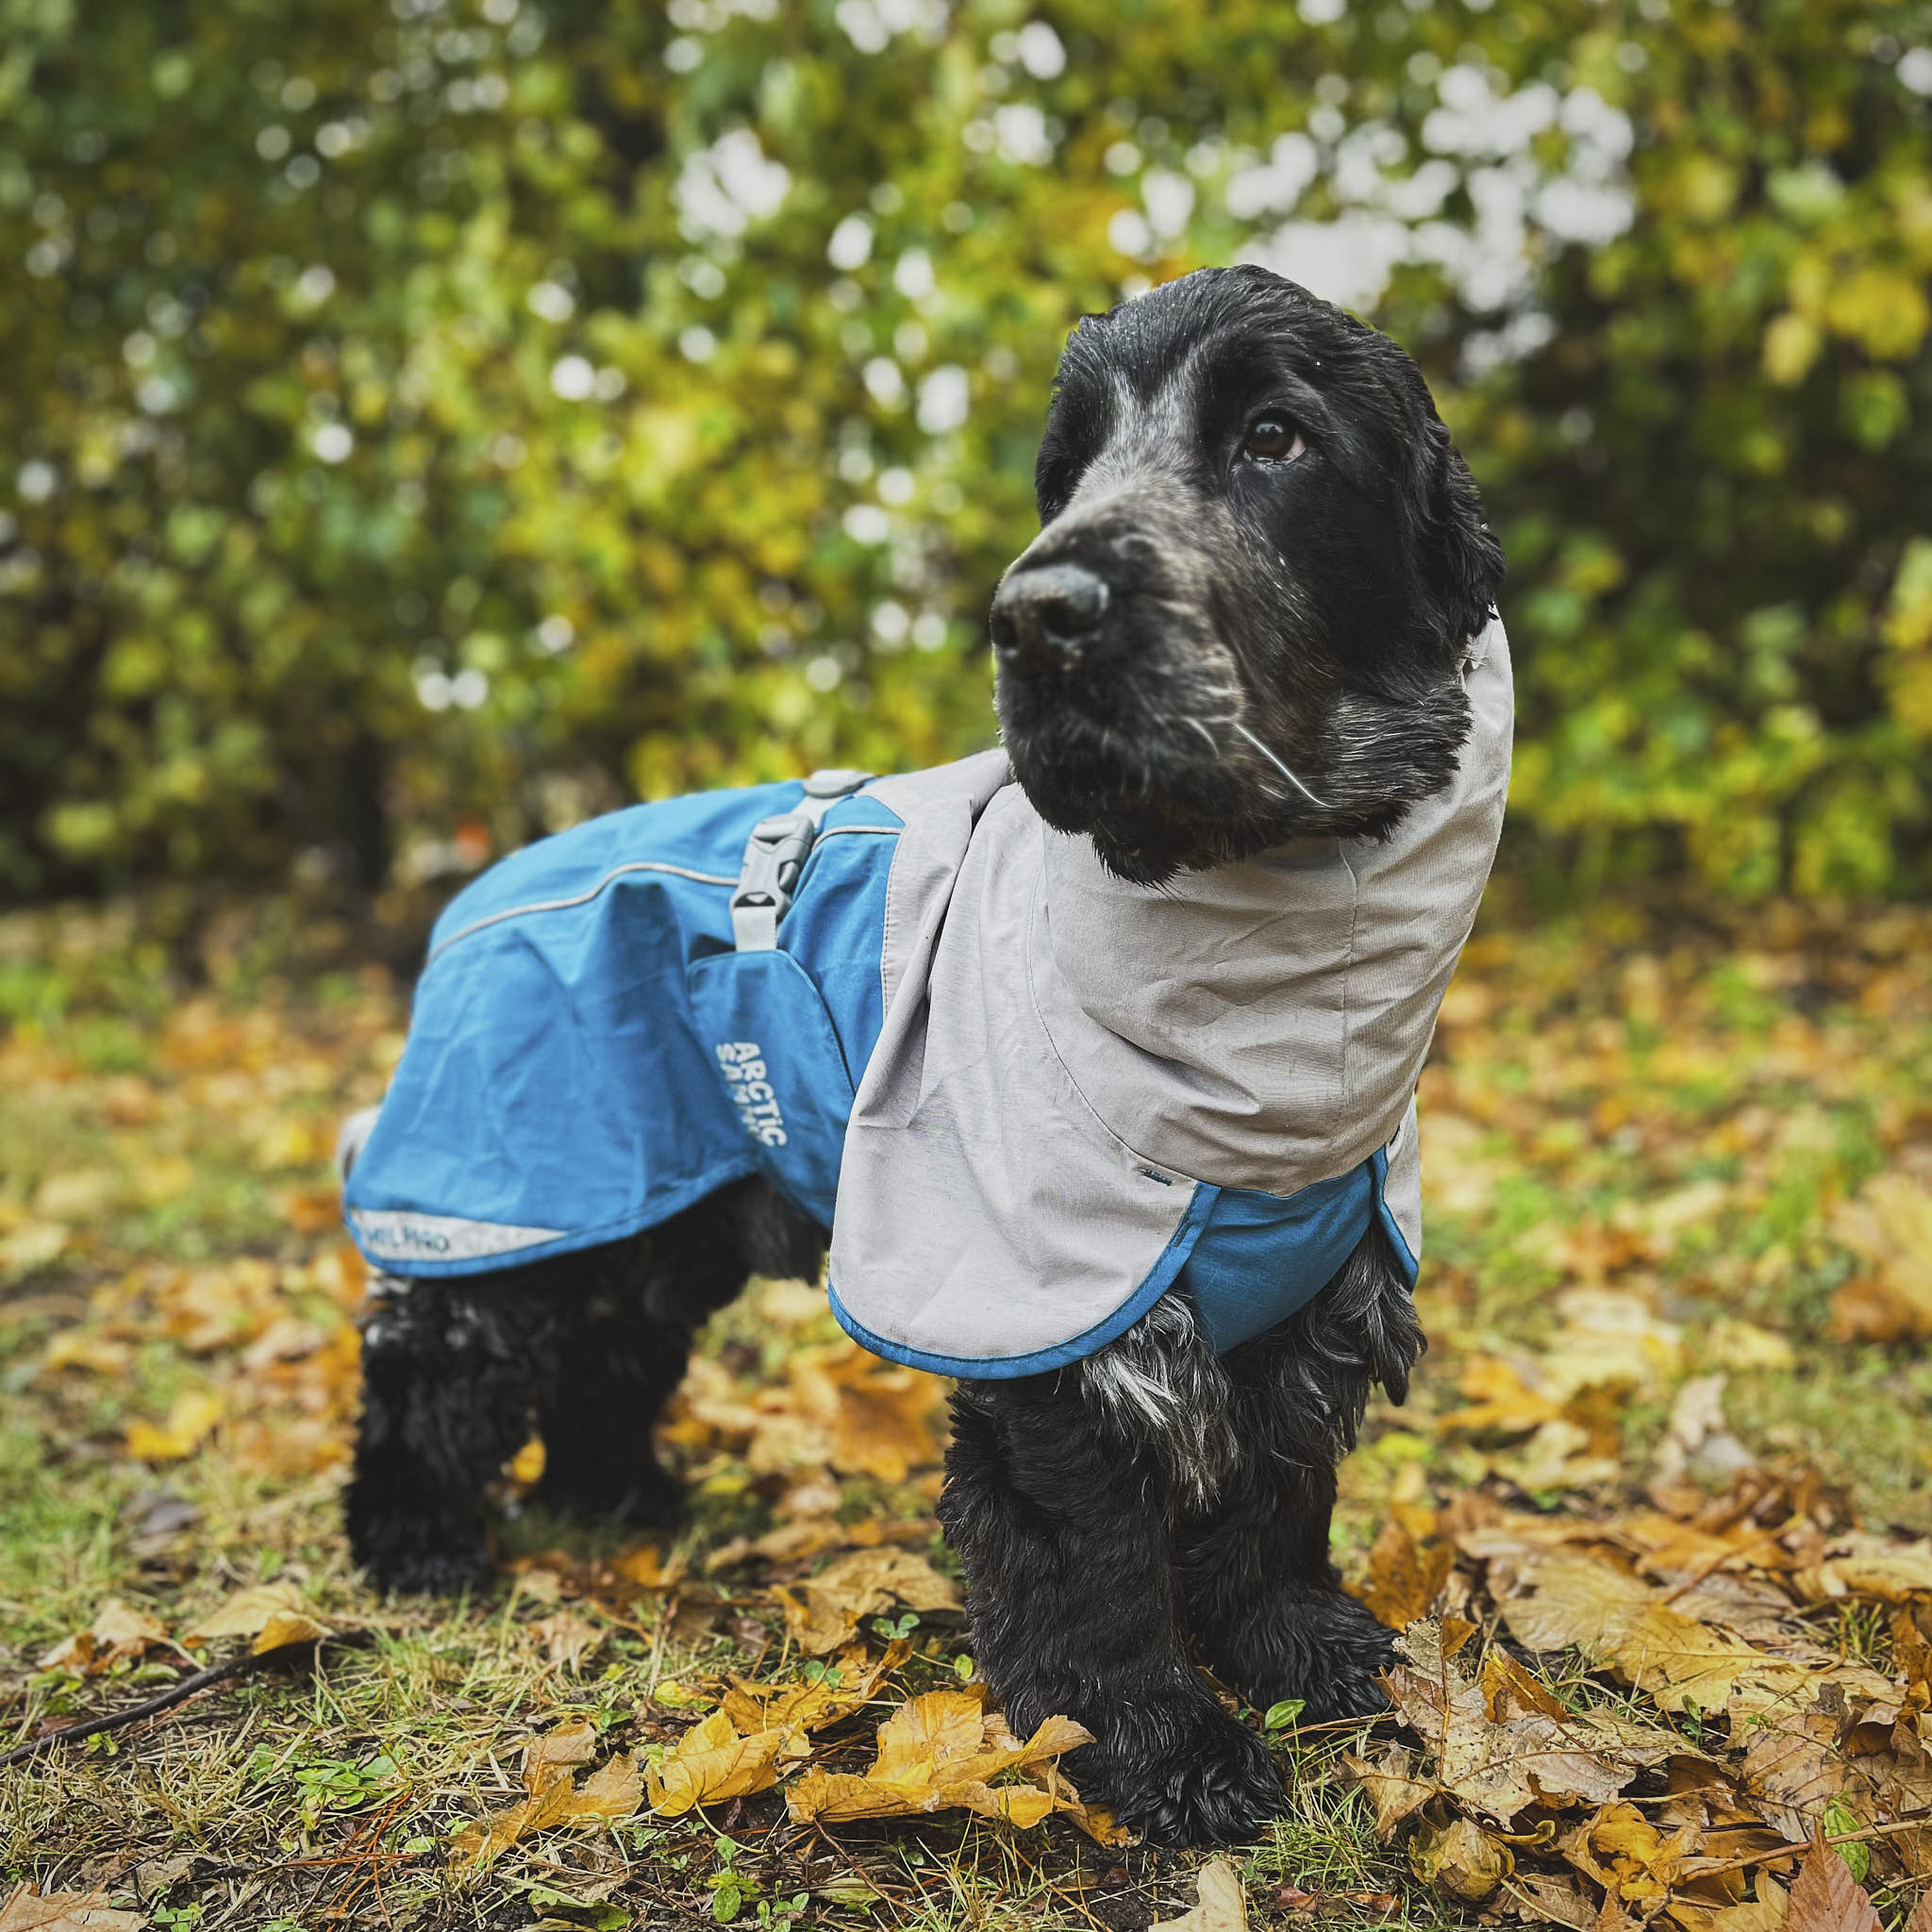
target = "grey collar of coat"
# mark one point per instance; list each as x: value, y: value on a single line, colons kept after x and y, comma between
x: 1069, y: 1063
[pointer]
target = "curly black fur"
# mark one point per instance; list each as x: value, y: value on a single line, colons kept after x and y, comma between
x: 1266, y: 646
x: 1098, y: 1539
x: 1205, y: 653
x: 584, y: 1350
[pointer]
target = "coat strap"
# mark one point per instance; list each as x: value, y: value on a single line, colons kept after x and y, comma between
x: 774, y: 855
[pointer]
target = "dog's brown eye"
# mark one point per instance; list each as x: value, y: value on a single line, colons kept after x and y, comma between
x: 1273, y: 436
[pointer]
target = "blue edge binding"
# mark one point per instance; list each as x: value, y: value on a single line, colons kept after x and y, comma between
x: 1333, y: 1203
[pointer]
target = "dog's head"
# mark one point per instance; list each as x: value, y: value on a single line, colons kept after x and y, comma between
x: 1245, y: 617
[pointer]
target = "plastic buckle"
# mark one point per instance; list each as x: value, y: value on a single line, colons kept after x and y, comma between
x: 835, y: 784
x: 774, y: 857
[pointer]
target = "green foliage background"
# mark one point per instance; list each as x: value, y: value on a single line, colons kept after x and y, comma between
x: 424, y: 423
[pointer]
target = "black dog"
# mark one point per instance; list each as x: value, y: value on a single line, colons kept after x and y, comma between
x: 1254, y: 524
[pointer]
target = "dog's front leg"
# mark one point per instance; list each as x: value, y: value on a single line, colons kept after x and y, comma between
x: 1263, y: 1598
x: 1062, y: 1534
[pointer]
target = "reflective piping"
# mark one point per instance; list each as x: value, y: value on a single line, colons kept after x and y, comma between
x: 392, y: 1233
x: 584, y: 898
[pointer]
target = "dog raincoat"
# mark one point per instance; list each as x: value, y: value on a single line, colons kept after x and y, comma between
x: 1026, y: 1097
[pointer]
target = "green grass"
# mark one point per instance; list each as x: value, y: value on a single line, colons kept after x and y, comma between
x: 326, y: 1794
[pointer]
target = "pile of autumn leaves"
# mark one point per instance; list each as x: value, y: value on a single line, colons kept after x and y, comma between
x: 1695, y: 1735
x: 1647, y: 1718
x: 834, y: 1412
x: 939, y: 1751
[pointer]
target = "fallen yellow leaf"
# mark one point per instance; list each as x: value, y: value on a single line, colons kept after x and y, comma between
x: 739, y: 1748
x: 1220, y: 1905
x: 824, y: 1610
x: 1859, y: 1564
x: 1404, y: 1579
x: 27, y: 1910
x: 76, y: 1348
x: 566, y: 1637
x: 712, y: 1762
x: 552, y: 1756
x: 31, y: 1246
x: 1888, y: 1225
x: 614, y: 1791
x: 270, y: 1613
x: 940, y: 1751
x: 1461, y: 1859
x: 1499, y: 1399
x: 1504, y: 1742
x: 284, y: 1627
x: 188, y: 1426
x: 1630, y: 1857
x: 800, y: 1709
x: 166, y: 1179
x: 117, y: 1631
x: 1389, y: 1787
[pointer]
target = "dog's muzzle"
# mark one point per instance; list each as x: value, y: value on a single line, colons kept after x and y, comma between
x: 1044, y: 616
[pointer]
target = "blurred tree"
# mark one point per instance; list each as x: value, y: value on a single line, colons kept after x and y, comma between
x: 428, y: 424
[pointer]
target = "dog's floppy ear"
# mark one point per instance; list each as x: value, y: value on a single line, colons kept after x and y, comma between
x: 1461, y: 561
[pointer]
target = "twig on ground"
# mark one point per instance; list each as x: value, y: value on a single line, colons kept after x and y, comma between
x: 1790, y: 1851
x: 165, y: 1700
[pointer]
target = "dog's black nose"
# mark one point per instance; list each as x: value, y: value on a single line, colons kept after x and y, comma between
x: 1044, y: 616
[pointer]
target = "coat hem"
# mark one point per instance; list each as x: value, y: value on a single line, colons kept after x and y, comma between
x: 572, y: 1241
x: 1062, y: 1354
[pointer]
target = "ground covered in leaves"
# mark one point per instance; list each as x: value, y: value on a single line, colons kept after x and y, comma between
x: 1654, y: 1518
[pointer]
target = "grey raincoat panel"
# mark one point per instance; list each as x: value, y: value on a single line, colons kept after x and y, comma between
x: 1072, y: 1069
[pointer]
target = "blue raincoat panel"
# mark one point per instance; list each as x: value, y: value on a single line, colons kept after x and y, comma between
x: 565, y: 1081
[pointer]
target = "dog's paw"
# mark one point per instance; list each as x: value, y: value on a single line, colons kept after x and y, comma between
x: 1351, y: 1690
x: 649, y: 1498
x: 428, y: 1571
x: 1205, y: 1780
x: 1324, y: 1648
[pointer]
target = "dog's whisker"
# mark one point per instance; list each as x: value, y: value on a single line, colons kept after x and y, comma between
x: 1280, y: 767
x: 1213, y: 742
